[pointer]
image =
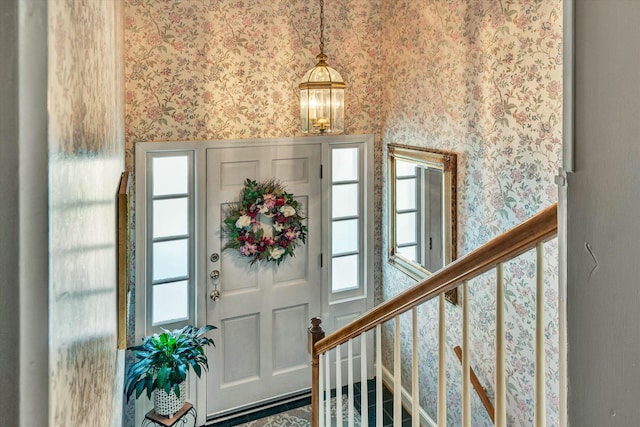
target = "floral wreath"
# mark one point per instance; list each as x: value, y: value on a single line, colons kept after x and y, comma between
x: 266, y: 223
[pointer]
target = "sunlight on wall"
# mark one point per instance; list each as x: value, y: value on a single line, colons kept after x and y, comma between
x: 86, y: 157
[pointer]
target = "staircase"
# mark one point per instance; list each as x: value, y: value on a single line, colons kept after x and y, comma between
x: 531, y: 235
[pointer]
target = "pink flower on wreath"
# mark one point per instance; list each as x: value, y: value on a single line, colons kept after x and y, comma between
x: 269, y: 201
x: 291, y: 234
x: 248, y: 249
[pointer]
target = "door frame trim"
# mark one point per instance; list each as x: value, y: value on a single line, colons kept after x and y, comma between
x: 197, y: 389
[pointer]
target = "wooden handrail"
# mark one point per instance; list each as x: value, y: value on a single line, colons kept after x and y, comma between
x: 525, y: 236
x: 482, y: 394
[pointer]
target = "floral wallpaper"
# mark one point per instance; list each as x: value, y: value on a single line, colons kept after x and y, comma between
x: 216, y: 69
x: 482, y: 78
x: 478, y: 77
x: 86, y: 158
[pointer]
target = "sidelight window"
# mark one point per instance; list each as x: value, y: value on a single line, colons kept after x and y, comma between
x: 346, y: 221
x: 169, y: 238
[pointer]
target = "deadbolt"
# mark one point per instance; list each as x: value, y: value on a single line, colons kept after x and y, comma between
x: 215, y: 295
x: 215, y: 257
x: 215, y: 274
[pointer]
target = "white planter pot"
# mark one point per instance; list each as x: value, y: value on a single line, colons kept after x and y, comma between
x: 168, y: 404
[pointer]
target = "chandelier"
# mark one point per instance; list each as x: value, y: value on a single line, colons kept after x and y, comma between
x: 322, y: 94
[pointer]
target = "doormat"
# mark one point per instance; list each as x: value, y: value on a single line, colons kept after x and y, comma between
x: 301, y: 417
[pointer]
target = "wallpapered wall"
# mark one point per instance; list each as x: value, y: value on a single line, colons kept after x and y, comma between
x: 482, y: 78
x: 215, y: 69
x: 478, y: 77
x: 86, y: 157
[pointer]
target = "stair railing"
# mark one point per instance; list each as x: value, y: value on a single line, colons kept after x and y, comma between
x: 528, y: 235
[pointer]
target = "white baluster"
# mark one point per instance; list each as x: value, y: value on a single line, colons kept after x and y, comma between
x: 466, y: 371
x: 442, y: 364
x: 327, y: 399
x: 378, y: 376
x: 350, y: 405
x: 364, y: 398
x: 397, y: 377
x: 540, y: 398
x: 338, y: 387
x: 501, y: 385
x: 415, y: 371
x: 320, y: 391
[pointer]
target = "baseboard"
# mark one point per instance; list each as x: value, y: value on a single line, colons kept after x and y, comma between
x: 261, y: 405
x: 387, y: 379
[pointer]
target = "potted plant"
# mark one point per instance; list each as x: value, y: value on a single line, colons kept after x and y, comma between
x: 163, y: 361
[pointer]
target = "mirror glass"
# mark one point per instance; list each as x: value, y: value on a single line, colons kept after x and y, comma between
x: 421, y: 210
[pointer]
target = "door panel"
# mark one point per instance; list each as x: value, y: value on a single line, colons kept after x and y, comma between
x: 264, y: 309
x: 289, y: 333
x: 241, y: 349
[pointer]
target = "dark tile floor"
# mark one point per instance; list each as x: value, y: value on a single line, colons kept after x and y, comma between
x: 387, y: 406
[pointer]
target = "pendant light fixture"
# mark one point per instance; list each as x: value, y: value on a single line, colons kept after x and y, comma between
x: 322, y: 94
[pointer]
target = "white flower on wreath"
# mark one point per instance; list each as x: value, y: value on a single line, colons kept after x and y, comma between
x: 288, y: 210
x: 276, y: 253
x: 243, y: 221
x: 264, y: 209
x: 278, y: 227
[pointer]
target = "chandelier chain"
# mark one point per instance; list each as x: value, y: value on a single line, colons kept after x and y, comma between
x: 321, y: 26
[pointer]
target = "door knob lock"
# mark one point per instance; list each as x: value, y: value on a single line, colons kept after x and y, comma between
x: 215, y: 274
x: 215, y: 295
x: 215, y: 257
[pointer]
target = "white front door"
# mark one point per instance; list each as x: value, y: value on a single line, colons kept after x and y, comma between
x: 264, y: 309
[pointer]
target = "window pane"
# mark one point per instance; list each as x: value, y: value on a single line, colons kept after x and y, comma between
x: 406, y: 228
x: 170, y: 217
x: 170, y: 301
x: 405, y: 194
x: 170, y: 175
x: 344, y: 166
x: 170, y: 259
x: 345, y: 200
x: 344, y: 273
x: 409, y: 252
x: 344, y: 236
x: 404, y: 169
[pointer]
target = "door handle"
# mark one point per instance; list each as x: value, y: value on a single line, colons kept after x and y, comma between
x: 215, y: 295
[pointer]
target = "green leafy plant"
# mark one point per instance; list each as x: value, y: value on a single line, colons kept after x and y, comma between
x: 163, y: 360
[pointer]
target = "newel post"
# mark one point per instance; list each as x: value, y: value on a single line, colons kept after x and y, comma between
x: 314, y: 334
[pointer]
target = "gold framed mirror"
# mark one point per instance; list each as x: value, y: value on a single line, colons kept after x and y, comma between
x: 422, y: 211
